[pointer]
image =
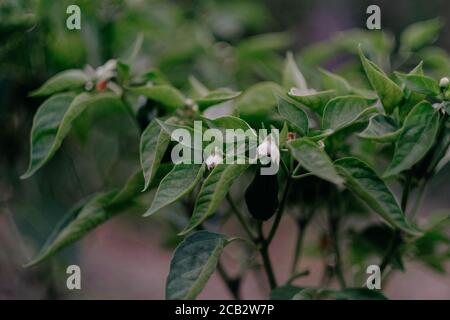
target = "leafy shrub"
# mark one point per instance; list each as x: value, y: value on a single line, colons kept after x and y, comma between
x: 345, y: 144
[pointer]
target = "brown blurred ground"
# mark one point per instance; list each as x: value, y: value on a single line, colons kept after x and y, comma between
x: 117, y: 262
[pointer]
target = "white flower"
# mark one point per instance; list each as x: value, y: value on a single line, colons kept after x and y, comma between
x: 437, y: 106
x: 89, y: 85
x: 269, y: 148
x: 191, y: 103
x: 443, y: 83
x: 321, y: 144
x: 106, y: 71
x: 301, y: 92
x: 214, y: 159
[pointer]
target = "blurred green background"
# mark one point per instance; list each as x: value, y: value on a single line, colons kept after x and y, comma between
x: 231, y: 43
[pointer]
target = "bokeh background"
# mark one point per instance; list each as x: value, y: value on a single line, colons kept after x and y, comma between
x: 128, y: 257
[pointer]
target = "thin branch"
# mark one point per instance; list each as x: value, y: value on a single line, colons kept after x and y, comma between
x: 264, y: 250
x: 297, y: 275
x: 232, y: 284
x: 397, y: 234
x: 300, y: 176
x: 240, y: 217
x: 338, y: 260
x: 298, y: 248
x: 280, y: 211
x: 419, y: 198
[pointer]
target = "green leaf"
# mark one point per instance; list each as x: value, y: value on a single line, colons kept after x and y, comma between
x: 213, y: 191
x: 227, y: 122
x: 283, y: 134
x: 75, y: 225
x: 156, y: 77
x: 169, y: 128
x: 63, y: 81
x: 193, y: 263
x: 363, y: 181
x: 87, y: 216
x: 153, y: 145
x: 373, y: 241
x: 258, y: 99
x: 358, y: 294
x: 198, y: 88
x: 263, y: 43
x: 436, y: 59
x: 333, y: 81
x: 166, y: 95
x: 387, y: 90
x: 53, y: 122
x: 417, y: 137
x: 419, y: 34
x: 439, y: 158
x: 421, y: 84
x: 45, y: 127
x: 132, y: 188
x: 181, y: 180
x: 123, y: 71
x: 418, y: 70
x: 313, y: 294
x: 446, y: 106
x: 343, y: 294
x: 292, y: 77
x: 294, y: 115
x: 381, y: 128
x: 316, y: 101
x: 215, y: 97
x: 286, y: 292
x: 343, y: 111
x: 314, y: 159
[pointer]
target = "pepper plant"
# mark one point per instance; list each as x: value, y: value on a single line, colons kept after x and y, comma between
x: 356, y: 153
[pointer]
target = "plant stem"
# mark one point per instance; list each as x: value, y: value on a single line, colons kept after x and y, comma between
x: 298, y: 248
x: 240, y: 217
x: 406, y: 190
x: 297, y: 275
x: 419, y: 198
x: 232, y: 284
x: 264, y: 251
x: 129, y: 110
x: 268, y: 267
x: 397, y: 234
x: 301, y: 175
x: 334, y: 223
x: 276, y: 223
x: 265, y: 242
x: 390, y: 251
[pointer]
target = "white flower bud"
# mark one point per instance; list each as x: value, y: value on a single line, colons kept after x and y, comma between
x: 89, y: 85
x: 268, y: 148
x: 301, y: 92
x: 189, y: 102
x: 214, y: 159
x: 443, y: 83
x: 114, y: 87
x: 106, y: 71
x: 437, y: 106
